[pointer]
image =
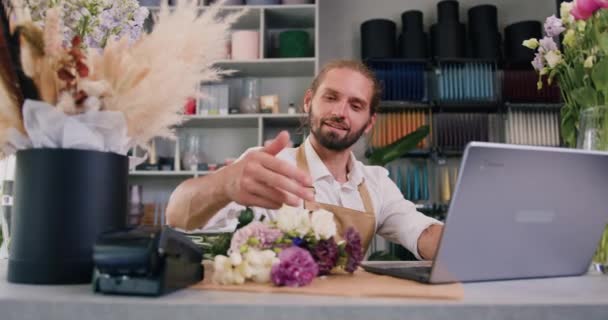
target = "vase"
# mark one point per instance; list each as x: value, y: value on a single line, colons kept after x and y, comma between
x: 63, y: 200
x: 593, y: 135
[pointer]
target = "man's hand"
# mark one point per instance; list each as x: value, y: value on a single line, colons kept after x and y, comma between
x: 428, y: 242
x: 262, y: 180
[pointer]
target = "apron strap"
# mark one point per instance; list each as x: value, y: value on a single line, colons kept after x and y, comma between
x: 302, y: 164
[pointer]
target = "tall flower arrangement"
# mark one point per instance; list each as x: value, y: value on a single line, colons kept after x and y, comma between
x: 580, y: 66
x: 146, y: 78
x: 290, y: 251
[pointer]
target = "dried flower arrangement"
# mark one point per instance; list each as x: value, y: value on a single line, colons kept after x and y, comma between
x: 147, y: 80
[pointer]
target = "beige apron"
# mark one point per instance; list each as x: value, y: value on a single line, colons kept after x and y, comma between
x: 363, y: 222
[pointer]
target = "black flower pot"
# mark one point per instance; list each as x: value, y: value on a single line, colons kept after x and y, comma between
x: 63, y: 200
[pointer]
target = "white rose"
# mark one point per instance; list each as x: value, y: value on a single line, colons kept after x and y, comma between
x: 323, y: 224
x: 293, y: 219
x: 261, y: 263
x: 553, y: 58
x: 225, y: 272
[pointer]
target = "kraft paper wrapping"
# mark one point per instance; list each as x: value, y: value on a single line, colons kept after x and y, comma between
x: 359, y: 284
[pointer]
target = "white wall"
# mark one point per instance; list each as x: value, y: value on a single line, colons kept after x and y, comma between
x: 340, y: 20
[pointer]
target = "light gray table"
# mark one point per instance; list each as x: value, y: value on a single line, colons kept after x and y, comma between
x: 570, y: 298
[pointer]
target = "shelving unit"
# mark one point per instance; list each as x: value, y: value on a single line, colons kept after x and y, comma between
x: 228, y: 136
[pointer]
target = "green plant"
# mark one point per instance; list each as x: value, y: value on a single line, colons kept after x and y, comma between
x: 384, y: 155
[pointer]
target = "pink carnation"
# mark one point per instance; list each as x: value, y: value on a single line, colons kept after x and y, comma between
x: 296, y: 268
x: 265, y: 235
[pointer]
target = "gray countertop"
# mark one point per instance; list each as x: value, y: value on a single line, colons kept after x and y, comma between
x: 584, y: 297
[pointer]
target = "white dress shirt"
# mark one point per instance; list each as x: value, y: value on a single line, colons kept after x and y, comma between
x: 397, y: 219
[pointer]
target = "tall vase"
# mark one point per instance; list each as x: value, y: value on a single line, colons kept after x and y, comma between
x: 593, y: 135
x: 63, y: 200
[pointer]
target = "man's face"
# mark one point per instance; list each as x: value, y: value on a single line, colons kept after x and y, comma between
x: 339, y: 112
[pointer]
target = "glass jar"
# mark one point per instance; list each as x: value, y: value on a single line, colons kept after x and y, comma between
x: 250, y: 97
x: 593, y: 135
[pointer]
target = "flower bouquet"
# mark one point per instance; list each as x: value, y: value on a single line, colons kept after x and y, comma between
x: 291, y: 250
x: 581, y: 69
x: 581, y: 65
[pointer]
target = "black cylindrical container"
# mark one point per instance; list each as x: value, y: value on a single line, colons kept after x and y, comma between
x: 483, y: 17
x: 411, y: 21
x: 485, y: 44
x: 447, y: 12
x: 448, y: 40
x: 413, y: 45
x: 378, y: 39
x: 515, y: 34
x: 63, y: 200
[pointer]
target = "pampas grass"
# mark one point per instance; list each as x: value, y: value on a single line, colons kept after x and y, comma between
x: 151, y: 80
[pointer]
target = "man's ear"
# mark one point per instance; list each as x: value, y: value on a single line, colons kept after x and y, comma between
x: 307, y: 100
x: 370, y: 123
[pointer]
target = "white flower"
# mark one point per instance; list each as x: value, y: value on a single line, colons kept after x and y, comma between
x: 569, y: 38
x: 260, y: 264
x: 564, y: 11
x: 581, y: 25
x: 553, y: 58
x: 589, y: 62
x: 531, y: 43
x: 290, y: 219
x: 323, y: 224
x: 225, y: 272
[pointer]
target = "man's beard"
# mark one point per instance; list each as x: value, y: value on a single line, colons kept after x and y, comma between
x: 330, y: 139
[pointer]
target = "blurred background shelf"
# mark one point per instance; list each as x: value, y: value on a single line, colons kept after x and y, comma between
x: 270, y: 67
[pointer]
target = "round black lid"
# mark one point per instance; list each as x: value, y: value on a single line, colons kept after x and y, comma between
x: 412, y: 21
x: 447, y: 11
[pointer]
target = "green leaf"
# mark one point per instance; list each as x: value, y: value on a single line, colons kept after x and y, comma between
x: 398, y: 148
x: 599, y: 75
x: 584, y: 96
x: 601, y: 38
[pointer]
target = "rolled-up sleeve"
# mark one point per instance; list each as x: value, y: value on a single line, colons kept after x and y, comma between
x: 398, y: 219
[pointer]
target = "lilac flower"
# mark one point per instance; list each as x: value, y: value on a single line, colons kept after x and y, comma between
x: 353, y: 249
x: 537, y: 63
x: 554, y: 26
x: 547, y: 44
x: 296, y: 268
x: 326, y: 255
x: 262, y: 233
x: 96, y: 21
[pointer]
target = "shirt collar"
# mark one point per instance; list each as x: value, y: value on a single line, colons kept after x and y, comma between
x: 319, y: 171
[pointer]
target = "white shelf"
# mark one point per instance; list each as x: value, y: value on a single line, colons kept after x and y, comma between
x: 270, y: 67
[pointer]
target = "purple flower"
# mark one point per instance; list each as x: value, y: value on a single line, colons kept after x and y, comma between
x: 554, y: 26
x: 537, y: 63
x: 547, y: 44
x: 353, y: 249
x: 326, y: 255
x: 296, y: 268
x: 265, y: 236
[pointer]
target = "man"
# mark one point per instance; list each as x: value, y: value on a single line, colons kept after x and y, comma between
x: 341, y: 104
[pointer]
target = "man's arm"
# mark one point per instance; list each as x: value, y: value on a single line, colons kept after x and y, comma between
x: 259, y: 179
x: 428, y: 242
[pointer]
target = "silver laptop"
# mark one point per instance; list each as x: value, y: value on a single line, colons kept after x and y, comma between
x: 518, y: 212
